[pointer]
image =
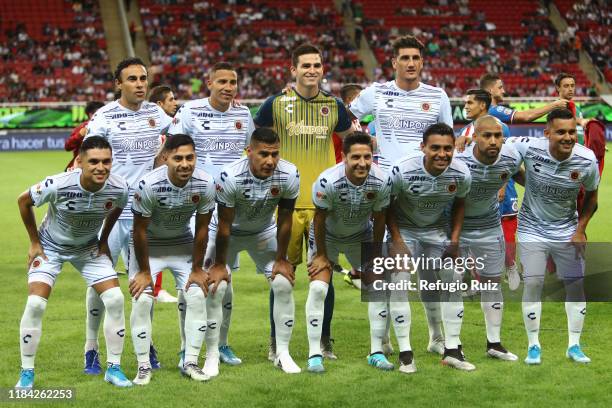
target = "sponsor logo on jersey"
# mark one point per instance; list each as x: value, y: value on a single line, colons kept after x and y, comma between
x: 324, y: 111
x: 425, y: 106
x: 108, y: 205
x: 275, y: 191
x: 370, y: 195
x: 36, y: 263
x: 238, y: 125
x: 195, y: 198
x: 38, y: 188
x: 288, y: 98
x: 151, y: 122
x: 452, y: 188
x: 574, y: 175
x: 393, y: 122
x: 299, y: 128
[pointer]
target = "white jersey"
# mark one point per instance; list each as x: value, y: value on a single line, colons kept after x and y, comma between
x: 548, y: 212
x: 401, y: 116
x: 170, y: 207
x: 422, y: 199
x: 135, y: 137
x: 481, y: 204
x: 220, y: 137
x: 75, y: 215
x: 254, y: 200
x: 349, y: 206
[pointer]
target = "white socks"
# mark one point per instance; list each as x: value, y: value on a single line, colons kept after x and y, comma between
x: 576, y: 312
x: 182, y: 309
x: 532, y: 309
x: 378, y: 316
x: 214, y: 315
x: 315, y: 304
x: 492, y: 305
x: 195, y: 323
x: 284, y: 312
x: 30, y: 329
x: 94, y: 314
x: 401, y: 319
x: 227, y: 314
x: 140, y: 323
x: 114, y: 324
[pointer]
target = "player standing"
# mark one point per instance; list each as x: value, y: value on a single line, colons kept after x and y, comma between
x: 79, y: 202
x: 305, y: 118
x: 133, y: 127
x: 221, y: 130
x: 345, y: 196
x: 163, y: 96
x: 424, y: 189
x: 565, y: 84
x: 73, y: 143
x: 491, y: 163
x: 549, y: 225
x: 249, y: 191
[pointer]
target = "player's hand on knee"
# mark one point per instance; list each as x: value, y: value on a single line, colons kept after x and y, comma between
x: 216, y: 275
x: 142, y: 280
x: 283, y: 267
x: 319, y: 264
x: 200, y: 278
x: 451, y: 251
x: 35, y: 251
x: 579, y: 240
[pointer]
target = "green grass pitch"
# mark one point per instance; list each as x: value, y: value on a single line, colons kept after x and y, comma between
x: 347, y: 382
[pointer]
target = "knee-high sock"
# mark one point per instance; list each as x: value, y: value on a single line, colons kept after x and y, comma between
x: 452, y: 310
x: 328, y: 310
x: 195, y: 323
x: 227, y: 306
x: 93, y: 318
x: 284, y: 312
x: 401, y: 319
x: 492, y: 305
x: 182, y: 309
x: 272, y: 325
x: 431, y: 304
x: 315, y: 304
x: 30, y: 329
x: 576, y: 311
x: 532, y: 309
x: 140, y: 324
x: 114, y: 324
x: 214, y: 317
x: 377, y: 314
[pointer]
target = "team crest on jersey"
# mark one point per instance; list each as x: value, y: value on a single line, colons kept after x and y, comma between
x: 175, y: 120
x: 137, y: 197
x: 238, y: 125
x: 452, y: 188
x: 574, y: 175
x: 320, y: 195
x: 370, y: 195
x: 36, y: 263
x: 425, y: 106
x: 109, y: 204
x: 275, y: 191
x: 324, y: 111
x: 218, y: 187
x: 195, y: 198
x: 38, y: 188
x: 151, y: 122
x: 503, y: 176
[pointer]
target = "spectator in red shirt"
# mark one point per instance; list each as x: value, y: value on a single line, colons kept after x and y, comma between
x: 73, y: 143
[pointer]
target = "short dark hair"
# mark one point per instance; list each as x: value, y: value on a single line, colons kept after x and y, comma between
x: 347, y: 90
x: 481, y: 96
x: 178, y: 140
x: 559, y: 113
x: 304, y: 49
x: 222, y: 65
x: 438, y: 129
x: 159, y: 93
x: 265, y: 135
x: 356, y: 138
x: 94, y: 142
x: 488, y: 80
x: 561, y: 77
x: 126, y: 63
x: 92, y: 107
x: 407, y: 41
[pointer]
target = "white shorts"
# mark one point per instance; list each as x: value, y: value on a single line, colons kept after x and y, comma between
x: 119, y: 240
x: 488, y: 253
x: 351, y: 250
x: 429, y: 243
x: 260, y: 247
x: 176, y: 258
x: 93, y: 268
x: 534, y: 255
x: 235, y: 264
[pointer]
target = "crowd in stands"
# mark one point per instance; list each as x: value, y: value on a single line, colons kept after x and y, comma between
x: 256, y: 35
x: 54, y: 57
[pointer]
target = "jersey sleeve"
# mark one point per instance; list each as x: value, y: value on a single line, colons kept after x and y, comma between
x: 264, y: 117
x: 123, y: 200
x: 384, y: 196
x: 321, y: 196
x: 344, y: 121
x: 97, y: 126
x: 144, y: 200
x: 505, y: 131
x: 591, y: 181
x: 44, y: 192
x: 207, y: 200
x: 166, y: 120
x: 225, y: 190
x: 520, y: 144
x: 446, y: 113
x: 463, y: 187
x: 364, y: 103
x: 250, y: 129
x: 181, y: 124
x: 502, y: 113
x: 293, y: 186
